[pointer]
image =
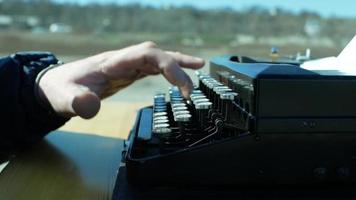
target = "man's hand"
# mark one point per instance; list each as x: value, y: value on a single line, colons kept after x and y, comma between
x: 76, y: 88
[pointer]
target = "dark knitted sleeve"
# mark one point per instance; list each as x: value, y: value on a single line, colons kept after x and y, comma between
x: 23, y: 120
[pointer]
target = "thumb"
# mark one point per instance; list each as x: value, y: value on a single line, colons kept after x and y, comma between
x: 85, y: 103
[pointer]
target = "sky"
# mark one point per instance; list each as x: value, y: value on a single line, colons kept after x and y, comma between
x: 326, y: 8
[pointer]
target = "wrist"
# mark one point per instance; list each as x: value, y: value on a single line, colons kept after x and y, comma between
x: 38, y: 91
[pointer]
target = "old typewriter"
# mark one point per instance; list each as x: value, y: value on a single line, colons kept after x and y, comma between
x: 248, y: 122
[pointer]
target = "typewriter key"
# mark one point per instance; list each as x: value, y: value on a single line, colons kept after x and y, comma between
x: 183, y: 117
x: 159, y: 102
x: 201, y: 100
x: 178, y: 105
x: 203, y: 105
x: 225, y: 103
x: 177, y: 99
x: 160, y: 95
x: 181, y: 112
x: 196, y: 92
x: 159, y: 106
x: 202, y: 112
x: 219, y: 88
x: 156, y: 114
x: 160, y: 118
x: 162, y: 125
x: 179, y: 108
x: 162, y: 131
x: 228, y: 95
x: 197, y: 97
x: 160, y: 109
x: 160, y: 121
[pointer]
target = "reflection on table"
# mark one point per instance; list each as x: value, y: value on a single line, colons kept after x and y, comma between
x: 63, y: 166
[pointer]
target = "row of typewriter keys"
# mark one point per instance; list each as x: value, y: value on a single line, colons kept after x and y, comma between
x: 160, y: 120
x: 220, y: 94
x: 181, y: 114
x: 179, y: 107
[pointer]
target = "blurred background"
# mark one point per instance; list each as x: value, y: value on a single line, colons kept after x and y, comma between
x: 76, y: 29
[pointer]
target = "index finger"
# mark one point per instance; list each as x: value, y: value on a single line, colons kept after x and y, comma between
x: 171, y: 70
x: 186, y: 61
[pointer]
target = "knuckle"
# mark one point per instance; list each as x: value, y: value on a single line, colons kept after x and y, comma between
x: 178, y: 54
x: 168, y: 66
x: 149, y: 44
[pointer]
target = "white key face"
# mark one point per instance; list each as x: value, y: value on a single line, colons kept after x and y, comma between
x: 158, y: 126
x: 200, y: 101
x: 160, y: 118
x: 157, y: 114
x: 181, y: 112
x: 219, y: 88
x: 180, y: 108
x: 161, y: 121
x: 203, y: 105
x: 223, y: 90
x: 162, y: 130
x: 198, y: 97
x: 183, y: 117
x: 178, y: 105
x: 197, y: 92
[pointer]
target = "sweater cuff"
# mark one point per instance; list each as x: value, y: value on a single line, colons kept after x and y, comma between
x: 41, y: 119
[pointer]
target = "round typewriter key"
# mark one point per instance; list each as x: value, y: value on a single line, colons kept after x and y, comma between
x: 203, y: 77
x: 212, y: 85
x: 181, y: 112
x: 162, y: 109
x: 209, y: 80
x: 200, y: 100
x: 162, y: 125
x: 197, y: 97
x: 203, y: 105
x: 196, y: 92
x: 160, y: 121
x: 156, y: 114
x: 183, y: 117
x: 176, y: 102
x: 223, y: 90
x: 178, y: 105
x: 160, y: 118
x: 177, y: 99
x: 159, y: 102
x: 159, y: 99
x: 179, y: 108
x: 219, y: 88
x: 175, y: 94
x: 228, y: 95
x: 162, y: 131
x: 193, y: 98
x: 158, y: 106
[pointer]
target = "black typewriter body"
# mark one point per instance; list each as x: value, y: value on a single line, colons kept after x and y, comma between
x: 248, y: 123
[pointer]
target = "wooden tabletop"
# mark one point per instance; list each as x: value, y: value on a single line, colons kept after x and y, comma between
x: 79, y: 161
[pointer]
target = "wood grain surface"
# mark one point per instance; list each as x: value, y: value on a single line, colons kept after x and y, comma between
x: 79, y: 161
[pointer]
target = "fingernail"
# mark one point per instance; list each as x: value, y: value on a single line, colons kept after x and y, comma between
x: 199, y: 59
